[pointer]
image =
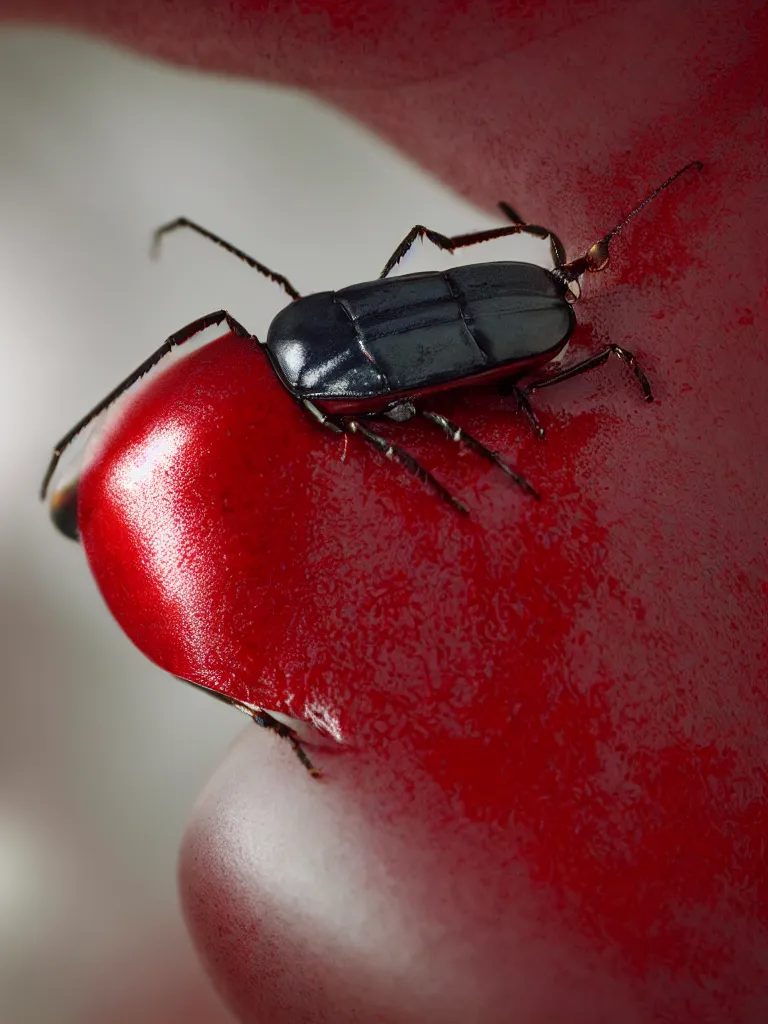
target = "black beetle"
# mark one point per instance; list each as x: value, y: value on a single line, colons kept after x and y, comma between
x: 377, y: 349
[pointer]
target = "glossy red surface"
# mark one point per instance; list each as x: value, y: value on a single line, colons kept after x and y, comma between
x: 556, y: 808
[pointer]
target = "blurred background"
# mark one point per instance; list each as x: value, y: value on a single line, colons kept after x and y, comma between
x: 101, y: 754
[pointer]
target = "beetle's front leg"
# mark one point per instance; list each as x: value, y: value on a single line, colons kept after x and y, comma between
x: 448, y: 244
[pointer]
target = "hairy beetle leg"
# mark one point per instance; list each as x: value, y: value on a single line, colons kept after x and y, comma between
x: 592, y: 363
x: 456, y: 433
x: 394, y: 451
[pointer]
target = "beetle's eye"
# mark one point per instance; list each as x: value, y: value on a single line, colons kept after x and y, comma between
x: 597, y: 256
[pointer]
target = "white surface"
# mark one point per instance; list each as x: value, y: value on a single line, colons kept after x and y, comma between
x: 102, y: 755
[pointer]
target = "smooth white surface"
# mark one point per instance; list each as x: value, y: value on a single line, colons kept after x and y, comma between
x: 101, y: 754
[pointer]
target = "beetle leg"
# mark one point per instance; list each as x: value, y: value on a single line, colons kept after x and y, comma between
x: 558, y: 249
x: 262, y: 718
x: 510, y: 212
x: 176, y: 339
x: 266, y: 721
x: 518, y: 228
x: 184, y: 222
x: 394, y: 451
x: 456, y: 433
x: 473, y: 238
x: 321, y: 417
x: 594, y: 361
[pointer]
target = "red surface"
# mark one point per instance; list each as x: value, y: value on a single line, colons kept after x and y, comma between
x: 556, y: 807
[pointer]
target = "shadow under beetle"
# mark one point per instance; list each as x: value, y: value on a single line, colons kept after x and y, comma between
x: 380, y: 348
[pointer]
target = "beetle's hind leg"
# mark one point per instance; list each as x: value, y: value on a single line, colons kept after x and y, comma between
x: 456, y: 433
x: 592, y: 363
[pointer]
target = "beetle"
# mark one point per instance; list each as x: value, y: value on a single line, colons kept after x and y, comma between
x: 377, y: 349
x: 380, y: 348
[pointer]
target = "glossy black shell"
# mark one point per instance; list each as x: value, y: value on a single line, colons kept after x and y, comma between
x: 419, y: 331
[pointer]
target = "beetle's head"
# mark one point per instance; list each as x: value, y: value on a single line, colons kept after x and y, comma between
x: 597, y: 255
x: 594, y: 260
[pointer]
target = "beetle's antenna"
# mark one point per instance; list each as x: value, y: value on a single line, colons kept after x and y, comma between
x: 665, y: 184
x: 596, y: 257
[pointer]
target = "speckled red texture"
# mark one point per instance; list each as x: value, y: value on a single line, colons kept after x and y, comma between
x: 557, y: 805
